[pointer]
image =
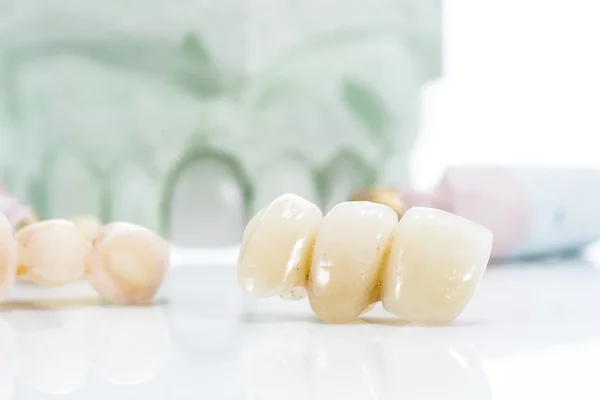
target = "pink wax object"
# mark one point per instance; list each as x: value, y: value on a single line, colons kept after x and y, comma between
x: 492, y: 197
x: 532, y: 211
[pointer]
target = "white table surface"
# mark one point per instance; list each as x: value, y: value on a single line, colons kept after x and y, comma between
x: 531, y: 332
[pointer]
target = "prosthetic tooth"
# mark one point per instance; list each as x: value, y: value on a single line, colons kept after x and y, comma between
x: 52, y: 252
x: 125, y: 263
x: 128, y: 263
x: 275, y: 254
x: 350, y: 247
x: 435, y: 264
x: 424, y: 268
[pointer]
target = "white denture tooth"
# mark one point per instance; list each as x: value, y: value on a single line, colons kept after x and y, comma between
x: 347, y: 258
x: 277, y: 246
x: 435, y: 264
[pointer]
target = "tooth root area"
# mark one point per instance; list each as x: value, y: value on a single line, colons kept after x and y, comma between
x: 424, y: 268
x: 435, y: 264
x: 347, y: 258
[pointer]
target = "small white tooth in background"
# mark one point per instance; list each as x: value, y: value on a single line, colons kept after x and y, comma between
x: 435, y: 264
x: 128, y: 263
x: 52, y: 252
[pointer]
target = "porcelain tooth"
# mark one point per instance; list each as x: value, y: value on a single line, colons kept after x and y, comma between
x: 277, y: 247
x: 128, y: 263
x: 347, y: 258
x: 51, y: 252
x: 435, y: 264
x: 425, y: 268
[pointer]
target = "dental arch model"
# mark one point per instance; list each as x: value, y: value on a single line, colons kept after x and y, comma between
x: 424, y: 268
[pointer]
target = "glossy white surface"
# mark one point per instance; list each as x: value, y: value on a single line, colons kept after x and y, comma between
x: 529, y: 333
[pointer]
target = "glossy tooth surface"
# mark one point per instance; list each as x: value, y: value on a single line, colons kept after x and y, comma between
x: 277, y: 244
x: 435, y: 264
x: 128, y: 263
x: 8, y: 257
x: 347, y: 259
x: 51, y: 252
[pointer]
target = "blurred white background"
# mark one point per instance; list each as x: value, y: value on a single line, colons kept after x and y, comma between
x: 521, y: 85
